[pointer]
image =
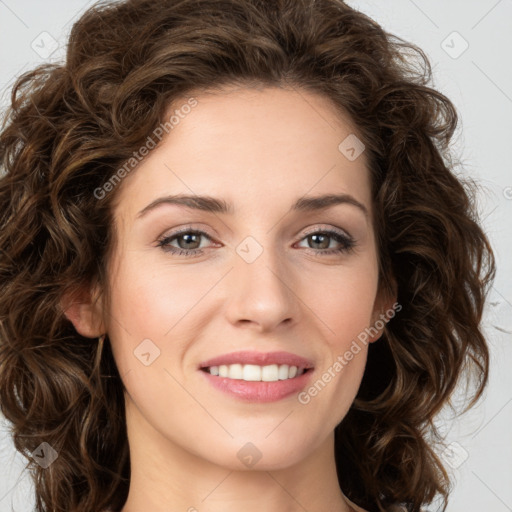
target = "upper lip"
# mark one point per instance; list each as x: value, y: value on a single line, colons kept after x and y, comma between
x: 258, y: 358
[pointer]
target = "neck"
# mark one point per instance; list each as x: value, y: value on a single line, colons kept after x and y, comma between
x: 164, y: 476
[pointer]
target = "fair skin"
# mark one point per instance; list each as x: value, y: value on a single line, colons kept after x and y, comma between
x: 259, y: 150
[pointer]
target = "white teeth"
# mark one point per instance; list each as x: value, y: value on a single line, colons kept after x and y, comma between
x: 283, y: 372
x: 235, y: 371
x: 251, y: 372
x: 270, y: 373
x: 255, y: 373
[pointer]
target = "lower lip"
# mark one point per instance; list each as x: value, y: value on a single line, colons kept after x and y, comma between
x: 259, y: 391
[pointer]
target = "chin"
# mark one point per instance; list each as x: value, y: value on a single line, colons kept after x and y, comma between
x: 256, y: 452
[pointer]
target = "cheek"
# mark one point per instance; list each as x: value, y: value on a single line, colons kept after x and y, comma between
x: 143, y: 309
x: 344, y: 301
x: 157, y: 309
x: 344, y: 306
x: 149, y: 299
x: 147, y: 329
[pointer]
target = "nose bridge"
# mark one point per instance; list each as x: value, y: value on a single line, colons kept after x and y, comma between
x: 261, y: 288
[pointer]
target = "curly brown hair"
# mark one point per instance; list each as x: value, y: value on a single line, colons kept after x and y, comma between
x: 71, y: 126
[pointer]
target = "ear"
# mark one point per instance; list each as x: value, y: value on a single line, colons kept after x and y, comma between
x: 384, y: 309
x: 84, y: 309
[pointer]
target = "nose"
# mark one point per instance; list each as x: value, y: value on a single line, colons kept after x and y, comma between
x: 261, y: 294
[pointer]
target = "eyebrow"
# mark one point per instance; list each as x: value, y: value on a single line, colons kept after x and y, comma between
x: 214, y: 205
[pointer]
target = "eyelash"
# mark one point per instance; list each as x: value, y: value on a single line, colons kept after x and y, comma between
x: 348, y: 243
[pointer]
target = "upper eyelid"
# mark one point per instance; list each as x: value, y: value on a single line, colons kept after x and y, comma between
x: 316, y: 229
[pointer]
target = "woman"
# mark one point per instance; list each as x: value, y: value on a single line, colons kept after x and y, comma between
x: 237, y: 269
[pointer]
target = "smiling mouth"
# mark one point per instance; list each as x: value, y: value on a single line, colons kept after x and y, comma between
x: 256, y: 373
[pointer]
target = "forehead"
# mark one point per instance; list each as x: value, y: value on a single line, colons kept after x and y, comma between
x: 252, y: 147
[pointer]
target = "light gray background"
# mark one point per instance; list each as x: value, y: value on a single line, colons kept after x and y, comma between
x: 479, y: 82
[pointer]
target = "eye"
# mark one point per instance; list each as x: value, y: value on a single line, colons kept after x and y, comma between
x: 187, y: 241
x: 321, y: 240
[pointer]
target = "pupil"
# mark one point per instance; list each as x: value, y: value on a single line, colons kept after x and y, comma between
x: 188, y: 237
x: 324, y: 246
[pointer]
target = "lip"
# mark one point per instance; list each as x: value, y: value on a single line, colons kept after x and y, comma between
x: 259, y: 391
x: 259, y: 358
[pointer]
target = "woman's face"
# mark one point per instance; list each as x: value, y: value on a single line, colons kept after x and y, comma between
x: 248, y: 278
